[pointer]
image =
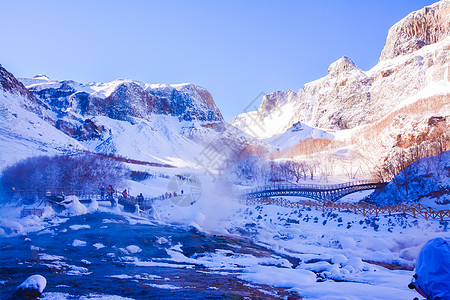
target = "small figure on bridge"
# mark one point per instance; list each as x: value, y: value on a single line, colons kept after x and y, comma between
x: 174, y: 194
x: 102, y: 192
x: 140, y: 199
x: 125, y: 194
x: 110, y: 193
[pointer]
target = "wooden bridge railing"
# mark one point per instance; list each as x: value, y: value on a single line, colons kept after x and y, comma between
x: 365, y: 209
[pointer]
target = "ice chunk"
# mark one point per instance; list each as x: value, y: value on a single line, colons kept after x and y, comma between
x: 78, y: 243
x: 98, y: 245
x: 132, y: 249
x: 78, y: 227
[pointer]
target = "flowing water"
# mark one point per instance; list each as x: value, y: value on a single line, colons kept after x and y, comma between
x: 169, y: 262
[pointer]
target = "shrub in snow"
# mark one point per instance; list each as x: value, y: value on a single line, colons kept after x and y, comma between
x: 32, y: 287
x: 11, y: 227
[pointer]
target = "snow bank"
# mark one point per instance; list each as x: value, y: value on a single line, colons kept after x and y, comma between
x: 280, y: 277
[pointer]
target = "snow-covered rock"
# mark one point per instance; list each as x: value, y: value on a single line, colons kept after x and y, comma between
x: 74, y: 206
x: 32, y: 287
x: 133, y: 249
x: 339, y: 259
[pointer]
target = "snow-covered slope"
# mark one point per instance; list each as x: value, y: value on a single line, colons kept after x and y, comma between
x: 348, y: 96
x: 271, y: 117
x: 25, y: 127
x: 297, y: 133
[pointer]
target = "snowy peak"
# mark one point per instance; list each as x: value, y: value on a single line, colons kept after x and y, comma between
x: 41, y: 77
x: 426, y: 26
x: 10, y: 84
x: 342, y: 65
x: 273, y: 101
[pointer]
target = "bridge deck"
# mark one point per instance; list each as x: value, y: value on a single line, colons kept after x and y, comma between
x: 316, y: 192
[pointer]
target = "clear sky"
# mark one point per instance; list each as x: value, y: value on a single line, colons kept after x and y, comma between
x: 235, y: 49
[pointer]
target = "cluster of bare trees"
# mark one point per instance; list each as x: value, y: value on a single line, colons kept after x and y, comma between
x: 398, y: 165
x: 305, y: 147
x: 63, y: 173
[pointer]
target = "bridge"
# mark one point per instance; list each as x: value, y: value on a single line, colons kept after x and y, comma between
x: 330, y: 193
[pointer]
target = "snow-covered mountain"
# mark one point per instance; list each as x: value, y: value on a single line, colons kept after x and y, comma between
x: 155, y: 123
x: 414, y: 65
x: 25, y: 126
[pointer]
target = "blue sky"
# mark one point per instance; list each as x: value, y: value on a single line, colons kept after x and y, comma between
x: 235, y: 49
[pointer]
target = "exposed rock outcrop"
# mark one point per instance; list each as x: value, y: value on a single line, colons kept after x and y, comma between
x: 128, y: 100
x: 427, y: 26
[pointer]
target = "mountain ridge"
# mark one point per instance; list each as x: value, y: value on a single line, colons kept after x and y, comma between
x: 348, y: 97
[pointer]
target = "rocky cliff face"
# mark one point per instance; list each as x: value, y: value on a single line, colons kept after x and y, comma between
x: 414, y: 64
x: 427, y: 26
x: 122, y: 99
x: 273, y: 101
x: 128, y: 100
x: 187, y: 101
x: 76, y: 105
